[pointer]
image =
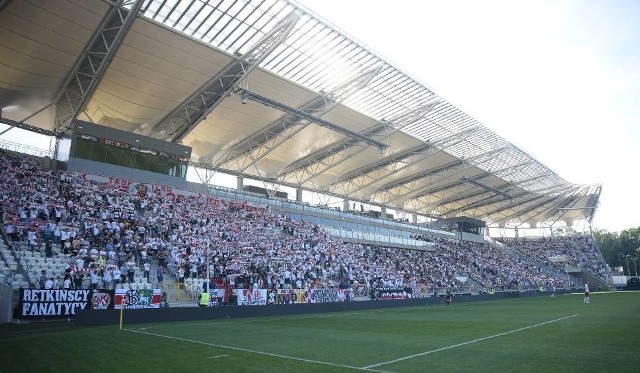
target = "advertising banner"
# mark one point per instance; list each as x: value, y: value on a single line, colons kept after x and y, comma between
x: 394, y: 294
x: 323, y: 295
x: 252, y: 297
x: 359, y: 290
x: 345, y: 295
x: 301, y: 296
x: 58, y: 303
x: 285, y: 296
x: 216, y: 297
x: 142, y: 298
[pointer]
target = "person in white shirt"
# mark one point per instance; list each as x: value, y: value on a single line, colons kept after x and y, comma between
x: 94, y: 279
x: 106, y: 279
x: 147, y: 270
x: 66, y: 283
x: 79, y: 264
x: 586, y: 294
x: 117, y: 274
x: 49, y: 284
x: 181, y: 275
x: 31, y: 237
x: 194, y: 270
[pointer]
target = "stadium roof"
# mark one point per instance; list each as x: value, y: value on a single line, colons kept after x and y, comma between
x: 269, y: 90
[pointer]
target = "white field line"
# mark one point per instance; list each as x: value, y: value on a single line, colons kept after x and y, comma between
x: 468, y: 342
x: 258, y: 352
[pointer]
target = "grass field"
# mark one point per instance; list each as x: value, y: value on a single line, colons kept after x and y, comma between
x: 540, y: 334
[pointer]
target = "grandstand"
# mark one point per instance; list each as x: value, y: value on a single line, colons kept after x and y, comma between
x: 270, y: 92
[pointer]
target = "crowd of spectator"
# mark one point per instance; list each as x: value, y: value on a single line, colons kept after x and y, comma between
x: 110, y: 233
x: 573, y: 251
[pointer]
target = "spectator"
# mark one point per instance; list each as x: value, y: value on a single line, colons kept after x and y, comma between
x: 106, y: 279
x: 131, y: 274
x: 49, y: 283
x: 93, y: 279
x: 66, y: 282
x: 117, y: 274
x: 160, y: 276
x: 146, y: 270
x: 242, y: 245
x: 43, y: 279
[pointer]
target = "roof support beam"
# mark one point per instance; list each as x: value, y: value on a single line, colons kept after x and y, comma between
x: 183, y: 119
x: 353, y: 186
x: 553, y: 212
x: 3, y: 4
x: 502, y: 173
x: 466, y: 194
x: 270, y: 181
x: 394, y: 158
x: 323, y: 160
x: 483, y: 202
x: 297, y: 170
x: 258, y: 145
x: 485, y: 187
x: 369, y: 179
x: 408, y: 187
x: 594, y: 203
x: 563, y: 208
x: 13, y: 124
x: 303, y: 115
x: 514, y: 203
x: 92, y: 63
x: 536, y: 208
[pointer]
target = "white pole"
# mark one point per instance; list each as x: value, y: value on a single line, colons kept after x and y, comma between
x: 208, y: 275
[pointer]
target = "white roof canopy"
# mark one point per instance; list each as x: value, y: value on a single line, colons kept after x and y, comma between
x: 279, y: 94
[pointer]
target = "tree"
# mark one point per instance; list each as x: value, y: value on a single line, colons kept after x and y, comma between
x: 616, y: 246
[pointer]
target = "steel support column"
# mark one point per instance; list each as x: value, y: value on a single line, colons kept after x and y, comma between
x: 91, y: 65
x: 3, y: 4
x: 183, y: 119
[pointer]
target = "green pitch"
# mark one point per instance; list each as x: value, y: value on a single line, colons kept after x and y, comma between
x: 541, y: 334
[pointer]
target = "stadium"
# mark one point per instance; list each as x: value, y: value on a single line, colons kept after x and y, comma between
x: 325, y: 202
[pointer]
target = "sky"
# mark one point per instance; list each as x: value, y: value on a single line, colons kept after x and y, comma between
x: 559, y: 79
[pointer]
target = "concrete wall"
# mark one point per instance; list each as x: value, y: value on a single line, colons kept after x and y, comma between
x: 6, y: 298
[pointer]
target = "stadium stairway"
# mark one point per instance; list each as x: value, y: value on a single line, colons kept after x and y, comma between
x: 584, y: 276
x: 544, y: 266
x: 473, y: 286
x: 177, y: 294
x: 12, y: 266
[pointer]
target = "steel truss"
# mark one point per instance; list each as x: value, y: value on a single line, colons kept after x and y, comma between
x: 526, y: 213
x: 502, y: 174
x: 465, y: 195
x: 377, y: 174
x: 92, y: 63
x: 408, y: 187
x: 521, y: 205
x: 175, y: 126
x: 255, y: 147
x: 306, y: 169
